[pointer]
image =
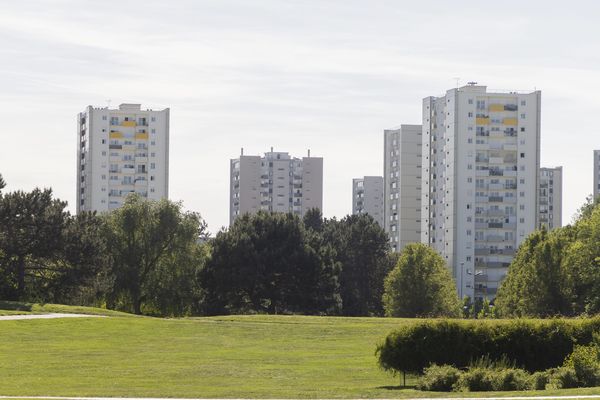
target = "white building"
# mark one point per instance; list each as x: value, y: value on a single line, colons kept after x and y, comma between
x: 119, y: 152
x: 550, y: 198
x: 481, y: 156
x: 596, y: 190
x: 367, y: 197
x: 276, y: 183
x: 402, y: 185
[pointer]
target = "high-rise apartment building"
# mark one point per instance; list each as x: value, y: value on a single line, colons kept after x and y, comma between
x: 596, y: 191
x: 402, y: 185
x: 550, y: 198
x: 276, y: 182
x: 481, y: 156
x: 121, y: 151
x: 367, y: 197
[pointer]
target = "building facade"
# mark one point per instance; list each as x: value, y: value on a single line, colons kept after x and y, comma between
x: 367, y: 197
x: 550, y: 198
x: 402, y: 185
x: 121, y: 151
x: 276, y: 182
x: 481, y: 156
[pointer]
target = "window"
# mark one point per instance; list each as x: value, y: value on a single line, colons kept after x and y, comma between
x: 104, y: 118
x: 103, y: 141
x: 522, y: 129
x: 470, y: 101
x: 470, y: 114
x: 522, y: 155
x: 522, y: 116
x: 523, y: 102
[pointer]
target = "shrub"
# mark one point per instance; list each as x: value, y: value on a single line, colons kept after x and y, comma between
x: 511, y: 379
x: 476, y: 380
x: 585, y: 362
x: 563, y: 378
x: 439, y: 378
x: 534, y: 345
x: 539, y: 380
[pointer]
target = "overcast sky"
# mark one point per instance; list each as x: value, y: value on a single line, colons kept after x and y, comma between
x: 324, y: 75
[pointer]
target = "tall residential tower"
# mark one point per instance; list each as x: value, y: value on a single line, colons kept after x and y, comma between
x: 276, y: 183
x: 402, y: 185
x: 119, y: 152
x: 481, y: 159
x: 550, y: 198
x: 367, y: 197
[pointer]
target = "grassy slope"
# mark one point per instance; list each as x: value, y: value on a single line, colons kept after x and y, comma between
x: 20, y: 308
x: 250, y: 356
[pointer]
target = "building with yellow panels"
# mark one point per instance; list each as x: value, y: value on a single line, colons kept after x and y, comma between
x: 121, y: 151
x: 480, y: 173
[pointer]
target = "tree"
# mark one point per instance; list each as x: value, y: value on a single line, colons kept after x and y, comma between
x: 153, y: 249
x: 2, y: 183
x: 420, y: 286
x: 46, y: 254
x: 31, y: 228
x: 362, y: 249
x: 269, y: 263
x: 535, y: 283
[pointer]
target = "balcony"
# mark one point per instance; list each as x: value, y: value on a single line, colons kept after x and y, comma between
x: 115, y: 135
x: 115, y: 147
x: 496, y: 107
x: 482, y: 120
x: 495, y: 199
x: 496, y: 172
x: 510, y: 121
x: 141, y: 136
x: 129, y: 124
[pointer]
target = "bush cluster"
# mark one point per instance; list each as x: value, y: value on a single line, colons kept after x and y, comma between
x: 580, y: 369
x: 534, y: 345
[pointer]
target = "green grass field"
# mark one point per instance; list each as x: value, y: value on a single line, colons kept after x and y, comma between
x: 241, y: 356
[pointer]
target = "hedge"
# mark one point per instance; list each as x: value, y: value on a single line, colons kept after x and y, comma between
x: 534, y: 345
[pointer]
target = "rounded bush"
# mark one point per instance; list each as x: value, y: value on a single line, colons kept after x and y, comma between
x: 439, y: 378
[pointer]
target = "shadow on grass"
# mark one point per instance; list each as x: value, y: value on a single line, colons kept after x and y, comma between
x: 399, y: 387
x: 14, y: 306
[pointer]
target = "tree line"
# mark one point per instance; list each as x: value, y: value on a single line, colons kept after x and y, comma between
x: 153, y: 257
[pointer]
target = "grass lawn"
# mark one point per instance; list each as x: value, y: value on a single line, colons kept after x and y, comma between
x: 241, y: 356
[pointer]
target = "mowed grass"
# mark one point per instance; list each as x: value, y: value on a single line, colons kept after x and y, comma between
x: 240, y: 356
x: 21, y: 308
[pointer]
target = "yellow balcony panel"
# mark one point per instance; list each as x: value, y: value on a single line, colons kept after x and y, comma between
x: 510, y: 121
x: 141, y: 136
x: 116, y: 135
x: 482, y: 120
x: 128, y: 123
x: 496, y: 107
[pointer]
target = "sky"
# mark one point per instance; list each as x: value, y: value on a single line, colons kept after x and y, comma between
x: 324, y: 75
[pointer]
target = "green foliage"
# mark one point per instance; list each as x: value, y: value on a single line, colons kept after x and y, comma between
x: 45, y: 253
x: 540, y: 379
x: 563, y: 378
x: 2, y: 183
x: 556, y: 273
x: 155, y: 257
x: 478, y: 379
x: 439, y: 378
x: 269, y: 263
x: 585, y: 361
x: 362, y: 251
x: 534, y: 345
x: 420, y: 285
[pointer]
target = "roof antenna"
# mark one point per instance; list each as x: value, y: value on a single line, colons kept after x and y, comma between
x: 242, y: 151
x: 308, y: 153
x: 457, y: 82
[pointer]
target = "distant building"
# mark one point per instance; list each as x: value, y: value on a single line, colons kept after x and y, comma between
x: 481, y: 160
x: 550, y: 198
x: 402, y: 185
x: 121, y: 151
x: 367, y: 197
x: 276, y: 182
